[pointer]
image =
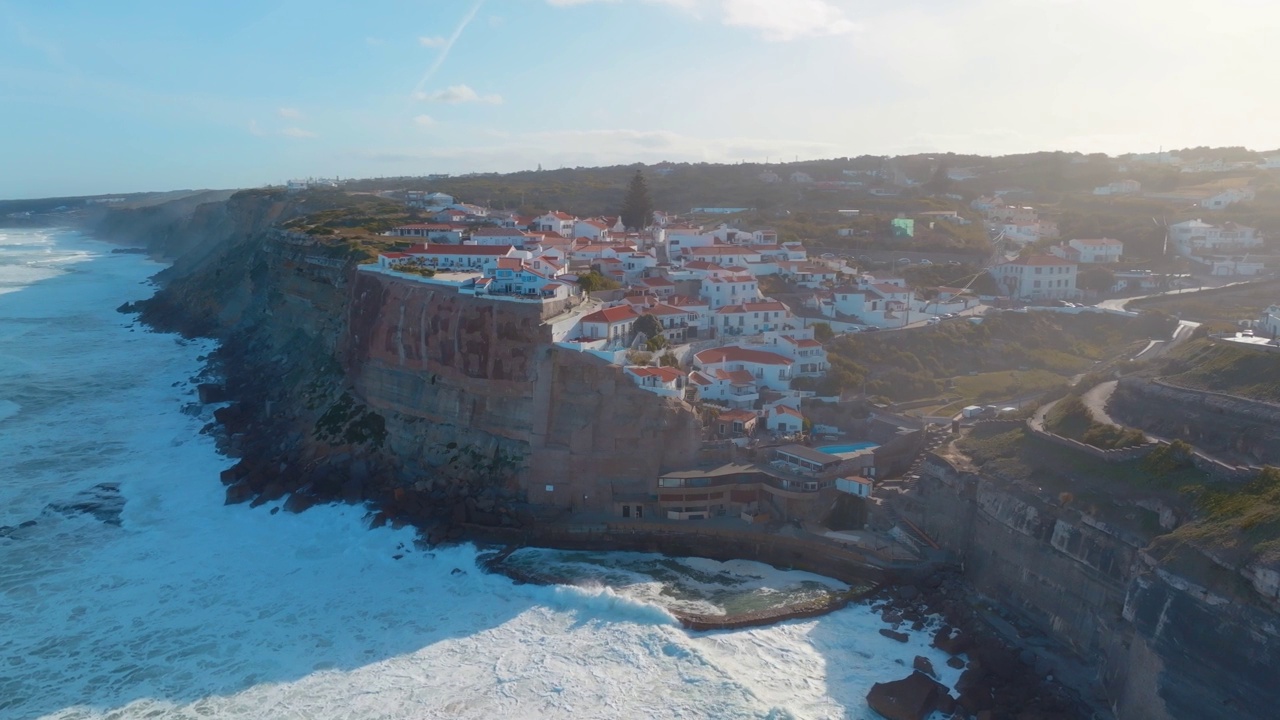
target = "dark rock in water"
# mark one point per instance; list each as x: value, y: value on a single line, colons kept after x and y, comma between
x: 129, y: 251
x: 299, y: 502
x: 212, y: 393
x: 951, y: 641
x: 238, y: 493
x: 103, y: 502
x: 911, y: 698
x: 955, y: 662
x: 908, y: 592
x: 894, y: 635
x: 922, y: 664
x: 26, y: 524
x: 352, y: 491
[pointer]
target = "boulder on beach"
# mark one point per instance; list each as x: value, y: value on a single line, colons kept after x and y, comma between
x: 911, y: 698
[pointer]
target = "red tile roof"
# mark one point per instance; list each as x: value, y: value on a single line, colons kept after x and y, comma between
x: 738, y: 354
x: 499, y: 232
x: 784, y: 410
x: 620, y: 313
x: 742, y: 416
x: 665, y: 374
x: 736, y: 377
x: 435, y: 249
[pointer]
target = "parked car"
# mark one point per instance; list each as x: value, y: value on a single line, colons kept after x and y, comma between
x: 925, y: 262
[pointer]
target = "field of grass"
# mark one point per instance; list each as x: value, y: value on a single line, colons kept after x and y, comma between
x: 1003, y: 385
x: 1240, y: 302
x: 1207, y: 365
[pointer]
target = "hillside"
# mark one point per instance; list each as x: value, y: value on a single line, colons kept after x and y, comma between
x: 912, y: 364
x: 1217, y: 367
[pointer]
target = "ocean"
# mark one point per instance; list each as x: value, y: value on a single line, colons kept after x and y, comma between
x: 128, y: 590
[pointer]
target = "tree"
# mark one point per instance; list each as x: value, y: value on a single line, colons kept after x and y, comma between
x: 593, y: 281
x: 649, y: 325
x: 1096, y: 278
x: 822, y: 332
x: 940, y: 181
x: 637, y: 208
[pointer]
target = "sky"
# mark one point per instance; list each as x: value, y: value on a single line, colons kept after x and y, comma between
x: 136, y: 95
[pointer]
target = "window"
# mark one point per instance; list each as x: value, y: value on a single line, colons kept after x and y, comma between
x: 626, y: 511
x: 1037, y: 283
x: 639, y: 511
x: 551, y: 488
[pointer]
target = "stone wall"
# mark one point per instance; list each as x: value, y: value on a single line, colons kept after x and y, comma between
x: 1242, y: 430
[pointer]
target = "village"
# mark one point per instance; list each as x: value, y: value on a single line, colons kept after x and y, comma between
x: 726, y: 317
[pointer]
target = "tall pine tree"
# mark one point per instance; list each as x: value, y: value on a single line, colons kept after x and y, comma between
x: 637, y: 208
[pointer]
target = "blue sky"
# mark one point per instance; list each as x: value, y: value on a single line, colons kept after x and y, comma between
x: 129, y: 95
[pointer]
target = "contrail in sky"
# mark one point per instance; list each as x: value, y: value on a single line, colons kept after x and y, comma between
x: 444, y: 51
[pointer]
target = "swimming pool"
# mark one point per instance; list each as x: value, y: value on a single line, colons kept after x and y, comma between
x: 842, y: 449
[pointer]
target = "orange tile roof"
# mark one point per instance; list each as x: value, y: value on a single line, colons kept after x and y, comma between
x: 620, y: 313
x: 738, y: 354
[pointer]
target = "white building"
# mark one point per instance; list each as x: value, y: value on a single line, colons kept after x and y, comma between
x: 721, y: 289
x: 556, y: 222
x: 1196, y: 237
x: 1037, y: 277
x: 1227, y: 198
x: 751, y: 318
x: 730, y: 388
x: 614, y: 324
x: 782, y: 419
x: 1100, y: 250
x: 770, y: 370
x: 502, y: 236
x: 430, y: 232
x: 1269, y: 323
x: 664, y: 381
x: 1120, y: 187
x: 456, y: 258
x: 594, y: 230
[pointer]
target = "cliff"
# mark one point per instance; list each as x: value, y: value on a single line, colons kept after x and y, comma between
x: 436, y: 406
x: 1152, y: 634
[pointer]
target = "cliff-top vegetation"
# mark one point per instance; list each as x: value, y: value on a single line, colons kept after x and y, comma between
x: 916, y: 363
x: 1238, y: 522
x: 1203, y: 364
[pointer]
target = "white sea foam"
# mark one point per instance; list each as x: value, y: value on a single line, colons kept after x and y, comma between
x: 179, y: 607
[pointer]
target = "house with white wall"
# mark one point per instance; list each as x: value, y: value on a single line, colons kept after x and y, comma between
x: 459, y: 258
x: 1226, y: 198
x: 725, y: 255
x: 594, y: 230
x: 1119, y: 187
x: 785, y: 420
x: 770, y: 370
x: 1196, y: 237
x: 1269, y: 322
x: 729, y: 388
x: 501, y: 236
x: 678, y: 324
x: 664, y: 381
x: 751, y: 318
x: 1037, y: 277
x: 1090, y: 251
x: 721, y: 289
x: 442, y: 233
x: 614, y: 324
x: 555, y: 221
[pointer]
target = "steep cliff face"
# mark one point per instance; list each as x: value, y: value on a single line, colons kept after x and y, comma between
x: 484, y: 373
x: 1161, y: 641
x: 431, y: 403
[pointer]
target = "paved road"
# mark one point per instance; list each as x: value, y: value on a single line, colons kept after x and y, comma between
x: 1120, y: 303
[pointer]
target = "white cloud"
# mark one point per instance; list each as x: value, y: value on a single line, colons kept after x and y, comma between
x: 775, y: 20
x: 447, y: 47
x: 424, y: 121
x: 255, y: 129
x: 296, y: 132
x: 457, y: 94
x: 289, y: 113
x: 782, y: 20
x: 434, y: 41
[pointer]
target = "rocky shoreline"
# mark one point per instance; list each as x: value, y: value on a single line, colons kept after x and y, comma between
x: 998, y: 680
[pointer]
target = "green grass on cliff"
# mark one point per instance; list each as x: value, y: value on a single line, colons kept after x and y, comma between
x: 914, y: 364
x: 1238, y: 302
x: 1207, y: 365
